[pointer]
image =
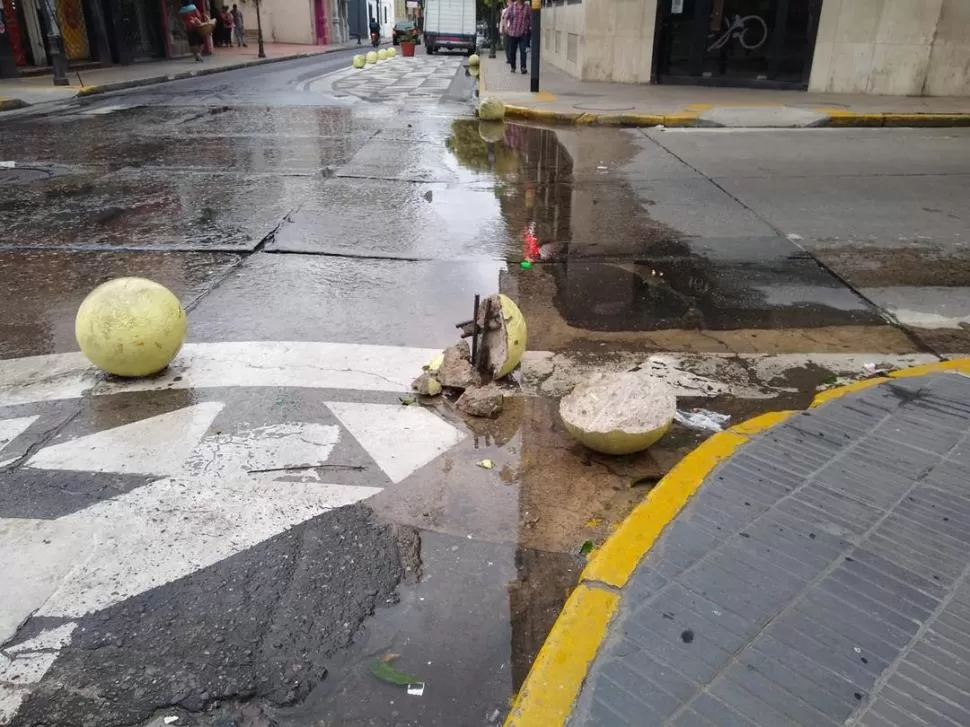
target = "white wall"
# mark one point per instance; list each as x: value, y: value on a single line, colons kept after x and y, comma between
x: 893, y: 47
x: 284, y: 21
x: 601, y: 40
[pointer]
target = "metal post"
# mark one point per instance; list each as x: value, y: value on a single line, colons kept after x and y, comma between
x: 55, y: 46
x: 492, y: 31
x: 259, y: 32
x: 535, y: 32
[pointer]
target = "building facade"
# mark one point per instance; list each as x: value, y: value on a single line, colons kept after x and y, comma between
x: 896, y: 47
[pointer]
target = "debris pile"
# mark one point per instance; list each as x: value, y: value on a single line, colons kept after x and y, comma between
x: 471, y: 371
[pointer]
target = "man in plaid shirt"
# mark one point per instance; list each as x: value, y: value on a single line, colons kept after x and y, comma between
x: 518, y: 20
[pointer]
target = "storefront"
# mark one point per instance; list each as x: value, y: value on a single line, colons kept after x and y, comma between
x: 91, y: 31
x: 898, y: 47
x: 737, y: 42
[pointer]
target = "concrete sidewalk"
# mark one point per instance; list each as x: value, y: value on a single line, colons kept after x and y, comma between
x: 819, y: 576
x: 19, y: 92
x: 564, y: 99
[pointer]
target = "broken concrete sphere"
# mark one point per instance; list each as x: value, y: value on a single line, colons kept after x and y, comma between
x: 456, y: 371
x: 491, y: 109
x: 426, y: 385
x: 505, y: 335
x: 619, y: 413
x: 484, y: 402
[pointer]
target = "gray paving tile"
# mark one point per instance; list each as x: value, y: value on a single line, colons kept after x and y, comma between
x: 884, y: 710
x: 748, y: 705
x: 645, y: 583
x: 852, y: 667
x: 690, y: 718
x: 835, y: 705
x: 779, y: 699
x: 847, y: 616
x: 662, y: 676
x: 677, y: 598
x: 651, y: 702
x: 894, y: 570
x: 898, y: 596
x: 908, y: 623
x: 803, y: 666
x: 702, y: 627
x: 932, y: 713
x: 717, y: 712
x: 929, y: 688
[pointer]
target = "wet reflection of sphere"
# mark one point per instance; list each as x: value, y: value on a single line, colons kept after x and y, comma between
x: 130, y: 327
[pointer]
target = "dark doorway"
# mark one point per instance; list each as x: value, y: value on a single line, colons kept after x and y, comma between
x: 766, y: 43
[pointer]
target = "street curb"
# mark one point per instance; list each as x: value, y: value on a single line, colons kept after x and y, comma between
x: 153, y: 80
x: 836, y: 118
x: 9, y: 104
x: 557, y: 675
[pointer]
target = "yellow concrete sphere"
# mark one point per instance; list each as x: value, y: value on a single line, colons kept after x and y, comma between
x: 371, y: 57
x: 130, y: 326
x: 391, y: 52
x: 359, y: 61
x: 382, y: 54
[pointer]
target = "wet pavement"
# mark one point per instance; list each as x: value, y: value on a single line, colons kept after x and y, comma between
x: 282, y: 210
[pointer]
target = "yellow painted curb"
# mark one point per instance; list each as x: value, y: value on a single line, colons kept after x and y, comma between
x: 556, y: 677
x: 558, y: 672
x: 9, y: 104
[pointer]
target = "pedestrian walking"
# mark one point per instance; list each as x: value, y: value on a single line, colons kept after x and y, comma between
x: 518, y: 18
x: 239, y: 27
x: 192, y: 22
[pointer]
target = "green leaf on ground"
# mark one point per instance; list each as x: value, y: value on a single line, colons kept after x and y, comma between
x: 408, y: 400
x: 586, y: 548
x: 387, y: 673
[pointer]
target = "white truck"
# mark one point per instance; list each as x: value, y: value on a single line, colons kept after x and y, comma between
x: 450, y: 24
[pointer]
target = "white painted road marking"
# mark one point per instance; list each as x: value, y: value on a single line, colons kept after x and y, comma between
x: 401, y: 439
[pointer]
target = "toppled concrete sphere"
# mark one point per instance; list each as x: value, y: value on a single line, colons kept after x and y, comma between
x: 619, y: 413
x: 484, y: 402
x: 456, y: 371
x: 504, y: 335
x: 491, y: 109
x: 426, y: 385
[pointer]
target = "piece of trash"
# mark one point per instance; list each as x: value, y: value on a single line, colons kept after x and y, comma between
x: 389, y: 657
x: 8, y: 165
x: 525, y: 264
x: 594, y: 522
x: 408, y: 400
x: 586, y: 548
x: 486, y: 464
x: 704, y: 419
x: 872, y: 369
x: 793, y: 237
x: 170, y: 720
x: 387, y: 673
x: 416, y: 689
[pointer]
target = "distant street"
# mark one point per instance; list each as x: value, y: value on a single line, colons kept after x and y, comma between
x: 240, y: 540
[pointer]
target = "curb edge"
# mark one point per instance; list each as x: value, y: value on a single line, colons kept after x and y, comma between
x: 556, y: 678
x: 840, y: 119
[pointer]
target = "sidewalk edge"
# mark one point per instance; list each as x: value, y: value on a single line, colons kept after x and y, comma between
x: 195, y: 72
x: 835, y: 119
x: 556, y: 678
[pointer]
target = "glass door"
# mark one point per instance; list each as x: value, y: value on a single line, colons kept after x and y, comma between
x: 737, y: 42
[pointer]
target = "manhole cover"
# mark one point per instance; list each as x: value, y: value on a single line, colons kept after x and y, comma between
x: 601, y: 107
x: 24, y: 175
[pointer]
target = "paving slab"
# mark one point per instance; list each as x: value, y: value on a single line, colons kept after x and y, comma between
x: 803, y: 568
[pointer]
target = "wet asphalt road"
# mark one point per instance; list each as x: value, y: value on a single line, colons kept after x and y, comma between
x: 285, y: 204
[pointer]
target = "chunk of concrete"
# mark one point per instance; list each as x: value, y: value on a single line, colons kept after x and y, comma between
x: 456, y: 371
x: 619, y: 413
x: 484, y: 402
x: 426, y: 385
